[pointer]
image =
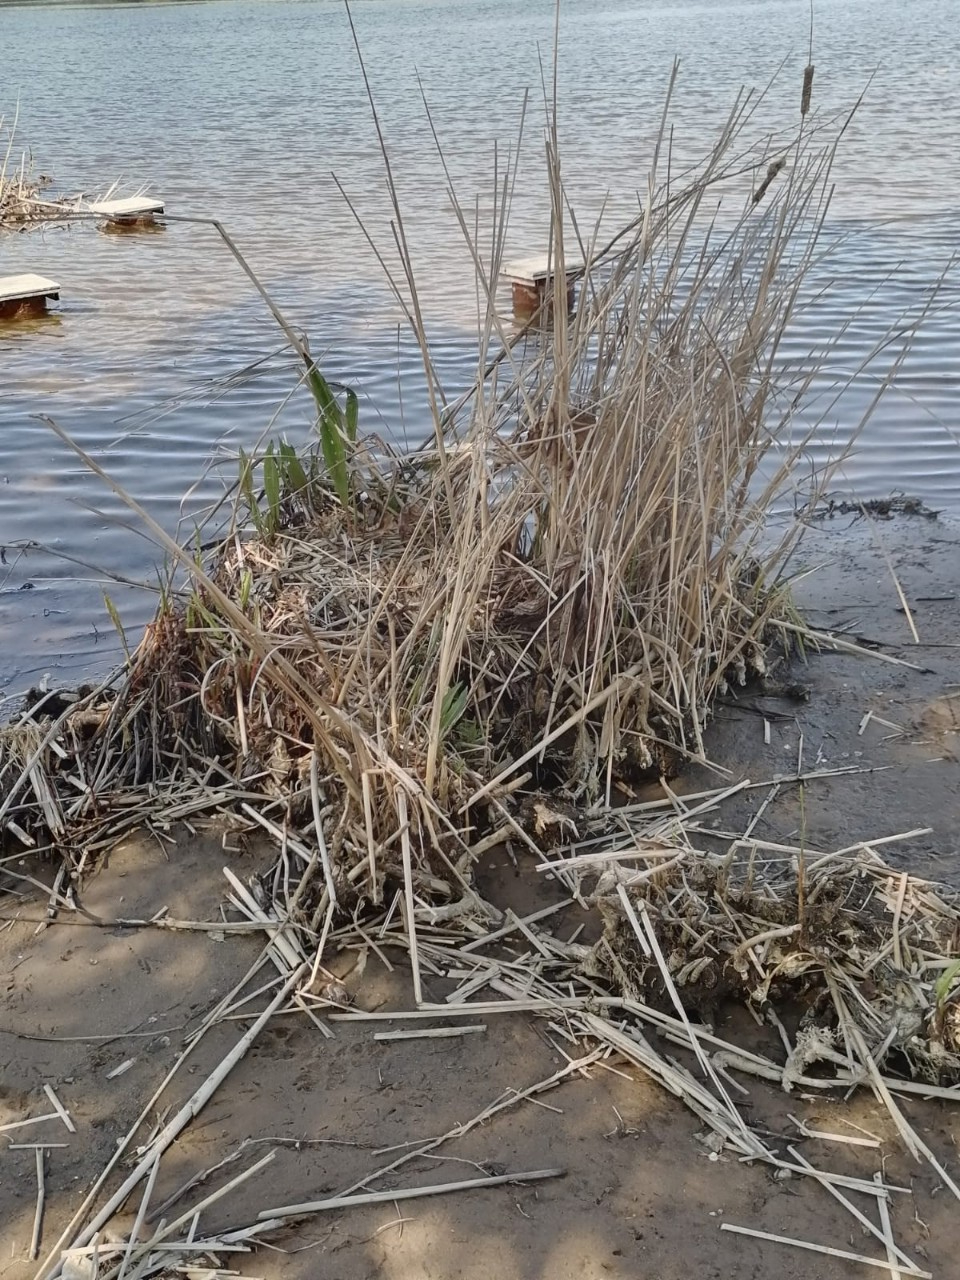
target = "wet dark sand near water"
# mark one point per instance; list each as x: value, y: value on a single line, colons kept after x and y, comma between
x: 641, y: 1196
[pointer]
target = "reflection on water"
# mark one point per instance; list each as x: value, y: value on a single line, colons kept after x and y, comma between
x: 162, y: 361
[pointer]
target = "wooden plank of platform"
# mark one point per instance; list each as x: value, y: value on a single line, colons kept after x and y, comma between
x: 23, y: 287
x: 129, y: 207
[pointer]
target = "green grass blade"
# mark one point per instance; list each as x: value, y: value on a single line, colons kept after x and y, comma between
x: 246, y: 488
x: 271, y: 487
x: 115, y: 619
x: 454, y: 705
x: 352, y: 415
x: 294, y: 476
x: 326, y: 402
x: 331, y: 427
x: 945, y: 982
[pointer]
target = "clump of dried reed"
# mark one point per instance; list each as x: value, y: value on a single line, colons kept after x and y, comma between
x: 21, y: 201
x: 549, y: 594
x: 387, y: 652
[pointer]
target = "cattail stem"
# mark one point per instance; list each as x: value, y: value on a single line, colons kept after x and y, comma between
x: 807, y: 89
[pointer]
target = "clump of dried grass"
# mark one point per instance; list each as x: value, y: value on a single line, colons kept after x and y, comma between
x: 551, y: 593
x: 21, y: 186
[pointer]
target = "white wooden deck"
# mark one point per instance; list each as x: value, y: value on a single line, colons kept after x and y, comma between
x: 129, y: 207
x: 20, y: 288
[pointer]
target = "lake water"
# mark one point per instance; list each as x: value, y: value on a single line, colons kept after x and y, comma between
x: 161, y: 360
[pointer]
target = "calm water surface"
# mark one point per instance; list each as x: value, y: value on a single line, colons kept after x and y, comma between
x: 162, y: 361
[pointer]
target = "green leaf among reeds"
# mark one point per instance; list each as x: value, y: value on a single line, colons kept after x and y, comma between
x: 271, y: 488
x: 945, y: 982
x: 352, y: 415
x: 294, y: 476
x: 249, y: 493
x: 332, y: 427
x: 118, y: 625
x: 454, y: 704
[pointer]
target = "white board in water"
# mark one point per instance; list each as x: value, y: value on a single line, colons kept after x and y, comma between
x: 129, y: 207
x: 15, y: 288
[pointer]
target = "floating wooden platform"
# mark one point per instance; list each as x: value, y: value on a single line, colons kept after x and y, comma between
x: 532, y: 280
x: 132, y: 211
x: 25, y: 295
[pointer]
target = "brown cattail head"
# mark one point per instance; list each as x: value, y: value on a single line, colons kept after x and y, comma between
x: 772, y: 171
x: 807, y: 89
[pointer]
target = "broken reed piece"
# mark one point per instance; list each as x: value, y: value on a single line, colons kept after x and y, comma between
x: 824, y: 1249
x: 22, y: 1124
x: 62, y: 1111
x: 886, y: 1234
x: 406, y: 1193
x: 38, y: 1214
x: 25, y: 296
x: 432, y: 1033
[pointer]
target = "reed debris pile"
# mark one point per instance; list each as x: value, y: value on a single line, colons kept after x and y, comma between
x: 863, y: 956
x: 850, y: 964
x: 22, y: 200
